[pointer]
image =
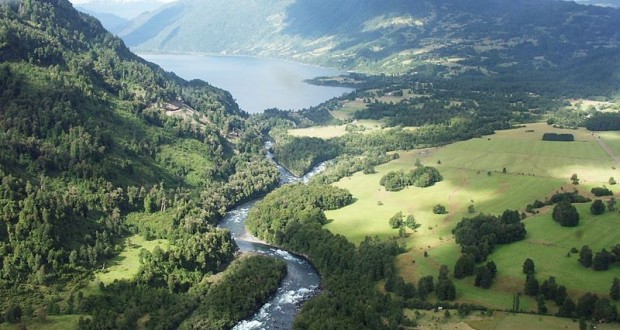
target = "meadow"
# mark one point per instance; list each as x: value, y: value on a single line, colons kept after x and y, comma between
x: 473, y: 175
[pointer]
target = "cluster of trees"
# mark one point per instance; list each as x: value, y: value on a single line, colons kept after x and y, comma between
x: 466, y: 266
x: 346, y: 165
x: 571, y: 197
x: 421, y: 176
x: 479, y: 235
x: 300, y: 154
x: 246, y: 284
x: 608, y: 121
x: 565, y: 214
x: 558, y: 137
x: 600, y: 260
x: 292, y: 217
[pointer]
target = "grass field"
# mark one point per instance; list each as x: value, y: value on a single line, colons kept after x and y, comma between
x: 125, y: 265
x: 473, y: 175
x: 326, y: 132
x: 428, y: 320
x: 52, y: 322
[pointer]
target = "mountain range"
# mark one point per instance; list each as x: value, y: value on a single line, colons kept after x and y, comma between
x: 394, y: 36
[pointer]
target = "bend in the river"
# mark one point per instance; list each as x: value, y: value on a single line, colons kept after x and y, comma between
x: 302, y: 280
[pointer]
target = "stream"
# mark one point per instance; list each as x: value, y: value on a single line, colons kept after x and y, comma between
x: 302, y: 280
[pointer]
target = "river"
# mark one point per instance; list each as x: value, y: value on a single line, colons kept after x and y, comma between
x: 255, y: 83
x: 302, y: 280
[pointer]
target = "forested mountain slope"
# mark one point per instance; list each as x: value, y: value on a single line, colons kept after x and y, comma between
x: 485, y: 37
x: 90, y: 133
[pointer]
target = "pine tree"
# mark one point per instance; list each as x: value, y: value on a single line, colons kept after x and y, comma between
x: 614, y: 291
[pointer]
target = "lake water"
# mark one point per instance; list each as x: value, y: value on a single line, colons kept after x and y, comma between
x: 256, y: 84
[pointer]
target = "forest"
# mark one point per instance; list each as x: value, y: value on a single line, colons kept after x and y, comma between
x: 85, y: 142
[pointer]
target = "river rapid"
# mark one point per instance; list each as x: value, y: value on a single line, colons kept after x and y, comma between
x: 302, y: 280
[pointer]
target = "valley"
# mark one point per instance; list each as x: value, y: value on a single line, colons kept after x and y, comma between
x: 465, y: 179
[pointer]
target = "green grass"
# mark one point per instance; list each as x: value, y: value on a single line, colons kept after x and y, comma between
x: 52, y: 322
x: 125, y: 265
x: 326, y: 132
x: 473, y: 175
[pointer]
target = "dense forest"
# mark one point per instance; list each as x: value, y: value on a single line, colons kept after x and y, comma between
x: 87, y: 141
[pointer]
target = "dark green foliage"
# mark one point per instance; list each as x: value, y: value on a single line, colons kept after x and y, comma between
x: 603, y: 122
x: 421, y: 176
x: 604, y: 311
x: 13, y: 313
x: 558, y: 137
x: 122, y: 304
x: 291, y: 217
x: 528, y: 267
x: 485, y: 275
x: 597, y: 207
x: 531, y: 286
x: 602, y: 260
x: 549, y: 288
x: 560, y: 295
x: 567, y: 308
x: 396, y: 221
x: 439, y: 209
x: 602, y: 191
x: 585, y: 256
x: 586, y: 305
x: 571, y: 197
x: 247, y: 283
x: 445, y: 289
x: 614, y: 291
x: 411, y: 223
x: 426, y: 285
x: 540, y: 304
x: 479, y: 235
x: 565, y: 214
x: 464, y: 266
x: 300, y: 154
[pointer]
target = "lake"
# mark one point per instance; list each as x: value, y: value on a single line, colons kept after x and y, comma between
x: 255, y: 83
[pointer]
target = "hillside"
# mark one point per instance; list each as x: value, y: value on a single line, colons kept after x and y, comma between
x: 99, y: 147
x: 482, y: 37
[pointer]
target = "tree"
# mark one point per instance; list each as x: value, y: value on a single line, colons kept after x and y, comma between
x: 574, y: 179
x: 540, y: 303
x: 597, y: 207
x: 471, y: 209
x: 604, y: 311
x: 585, y: 256
x: 586, y: 304
x: 464, y: 266
x: 425, y: 286
x: 612, y: 181
x: 439, y: 209
x: 549, y: 288
x: 13, y: 313
x: 567, y: 308
x: 602, y: 260
x: 528, y: 267
x: 484, y: 277
x: 614, y: 291
x: 560, y: 295
x: 531, y: 285
x: 445, y: 290
x: 396, y: 221
x: 565, y: 214
x: 611, y: 204
x: 410, y: 222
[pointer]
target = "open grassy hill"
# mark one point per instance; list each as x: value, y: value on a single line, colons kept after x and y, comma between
x: 472, y: 172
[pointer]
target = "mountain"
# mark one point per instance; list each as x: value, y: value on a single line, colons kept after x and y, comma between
x: 394, y: 36
x: 110, y: 22
x: 90, y: 133
x: 602, y: 3
x: 127, y: 9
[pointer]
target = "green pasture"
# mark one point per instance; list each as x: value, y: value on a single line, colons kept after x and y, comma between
x: 473, y: 175
x: 51, y: 322
x: 125, y: 266
x: 327, y: 132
